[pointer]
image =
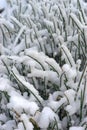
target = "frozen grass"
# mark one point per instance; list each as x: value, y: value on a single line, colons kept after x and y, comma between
x: 43, y: 67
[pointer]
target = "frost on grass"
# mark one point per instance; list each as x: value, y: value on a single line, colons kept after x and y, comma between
x: 43, y: 65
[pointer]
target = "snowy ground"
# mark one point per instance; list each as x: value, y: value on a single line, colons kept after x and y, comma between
x: 43, y: 65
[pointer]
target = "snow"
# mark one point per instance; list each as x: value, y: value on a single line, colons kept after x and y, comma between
x: 20, y: 47
x: 5, y: 85
x: 76, y: 21
x: 3, y: 118
x: 28, y: 125
x: 46, y: 117
x: 70, y: 94
x: 49, y: 75
x: 29, y: 86
x: 54, y: 64
x: 49, y: 24
x: 39, y: 59
x: 17, y: 22
x: 71, y: 109
x: 20, y: 126
x: 9, y: 124
x: 67, y: 55
x: 43, y: 82
x: 76, y: 128
x: 3, y: 4
x: 73, y: 105
x: 70, y: 72
x: 19, y: 103
x: 19, y: 34
x: 3, y: 8
x: 56, y: 104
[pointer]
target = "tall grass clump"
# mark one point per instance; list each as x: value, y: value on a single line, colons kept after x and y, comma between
x: 43, y: 65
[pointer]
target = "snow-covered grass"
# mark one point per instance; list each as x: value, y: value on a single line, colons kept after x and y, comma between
x: 43, y: 67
